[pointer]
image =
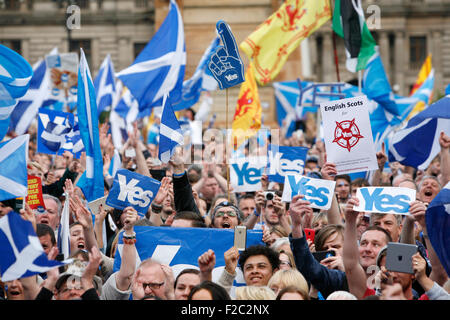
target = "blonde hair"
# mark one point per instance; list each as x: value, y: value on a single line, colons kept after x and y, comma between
x: 291, y: 277
x: 254, y: 293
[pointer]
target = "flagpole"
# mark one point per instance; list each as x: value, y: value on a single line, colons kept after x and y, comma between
x: 336, y: 61
x: 228, y: 167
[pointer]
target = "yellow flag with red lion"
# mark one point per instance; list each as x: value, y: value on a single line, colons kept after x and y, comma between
x: 271, y: 43
x: 247, y: 117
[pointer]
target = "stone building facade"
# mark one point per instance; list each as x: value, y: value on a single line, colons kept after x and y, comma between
x: 408, y: 30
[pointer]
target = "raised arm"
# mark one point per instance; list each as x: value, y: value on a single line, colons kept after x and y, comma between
x: 356, y: 277
x: 444, y: 141
x: 128, y: 264
x: 329, y: 171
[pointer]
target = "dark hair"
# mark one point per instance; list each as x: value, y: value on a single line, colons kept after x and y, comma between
x: 360, y: 182
x: 377, y: 228
x: 217, y: 291
x: 43, y: 229
x: 76, y: 223
x: 272, y: 255
x: 184, y: 271
x: 346, y: 177
x: 324, y: 233
x: 197, y: 220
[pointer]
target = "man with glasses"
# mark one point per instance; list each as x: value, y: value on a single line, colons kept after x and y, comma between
x: 226, y: 216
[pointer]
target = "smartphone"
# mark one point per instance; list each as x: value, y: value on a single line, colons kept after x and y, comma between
x: 399, y: 257
x: 240, y: 237
x: 94, y: 206
x: 158, y: 174
x: 320, y: 255
x: 310, y: 234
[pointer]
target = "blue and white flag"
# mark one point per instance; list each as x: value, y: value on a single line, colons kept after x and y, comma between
x: 37, y: 96
x: 131, y: 189
x: 64, y: 230
x: 115, y: 164
x: 73, y: 142
x: 202, y: 80
x: 159, y: 68
x: 170, y: 133
x: 417, y: 144
x: 21, y: 253
x: 13, y: 168
x: 15, y: 76
x: 91, y: 182
x: 53, y: 126
x: 181, y: 247
x: 437, y: 219
x: 284, y: 160
x: 104, y: 85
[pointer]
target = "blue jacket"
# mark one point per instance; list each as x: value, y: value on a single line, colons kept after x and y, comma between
x: 323, y: 279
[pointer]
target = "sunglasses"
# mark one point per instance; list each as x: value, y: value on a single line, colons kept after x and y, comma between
x: 222, y: 213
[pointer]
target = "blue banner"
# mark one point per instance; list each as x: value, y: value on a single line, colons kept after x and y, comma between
x: 181, y: 247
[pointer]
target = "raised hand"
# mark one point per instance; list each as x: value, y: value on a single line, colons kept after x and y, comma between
x: 226, y: 64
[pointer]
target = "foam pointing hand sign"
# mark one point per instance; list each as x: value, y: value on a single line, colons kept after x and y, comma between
x: 385, y: 199
x: 131, y: 189
x: 225, y: 63
x: 318, y: 192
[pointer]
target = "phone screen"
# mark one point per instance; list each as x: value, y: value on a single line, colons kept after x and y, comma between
x: 320, y: 255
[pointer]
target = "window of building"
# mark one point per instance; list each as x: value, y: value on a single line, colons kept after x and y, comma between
x: 417, y: 51
x: 76, y: 44
x: 10, y: 4
x: 15, y: 45
x: 141, y: 4
x: 138, y: 47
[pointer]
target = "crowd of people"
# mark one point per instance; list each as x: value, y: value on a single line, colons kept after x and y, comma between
x: 198, y: 195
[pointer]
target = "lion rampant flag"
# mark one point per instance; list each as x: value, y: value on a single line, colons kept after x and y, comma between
x: 271, y: 43
x: 247, y: 118
x: 424, y: 72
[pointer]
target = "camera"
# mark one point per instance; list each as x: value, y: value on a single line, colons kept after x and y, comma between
x: 269, y: 195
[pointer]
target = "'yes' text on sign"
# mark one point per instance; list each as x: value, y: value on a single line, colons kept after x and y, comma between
x: 317, y: 191
x: 284, y: 160
x: 131, y: 189
x: 385, y: 199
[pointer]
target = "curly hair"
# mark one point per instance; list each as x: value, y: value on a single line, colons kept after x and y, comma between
x: 256, y: 250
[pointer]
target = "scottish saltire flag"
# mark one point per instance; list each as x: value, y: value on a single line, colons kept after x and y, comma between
x: 37, y: 96
x: 115, y: 164
x: 13, y: 168
x: 437, y: 219
x: 21, y: 253
x: 288, y: 107
x: 159, y: 68
x: 170, y: 133
x: 73, y: 142
x: 63, y: 230
x: 181, y: 247
x: 15, y: 76
x: 202, y: 80
x: 53, y: 126
x: 417, y: 144
x: 104, y: 85
x: 91, y: 182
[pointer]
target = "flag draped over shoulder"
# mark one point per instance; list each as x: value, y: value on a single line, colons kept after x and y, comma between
x: 21, y: 253
x: 437, y: 219
x: 13, y: 168
x: 159, y: 68
x: 271, y: 43
x: 417, y: 144
x: 15, y: 76
x: 247, y: 117
x: 425, y: 71
x: 349, y: 23
x: 91, y: 182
